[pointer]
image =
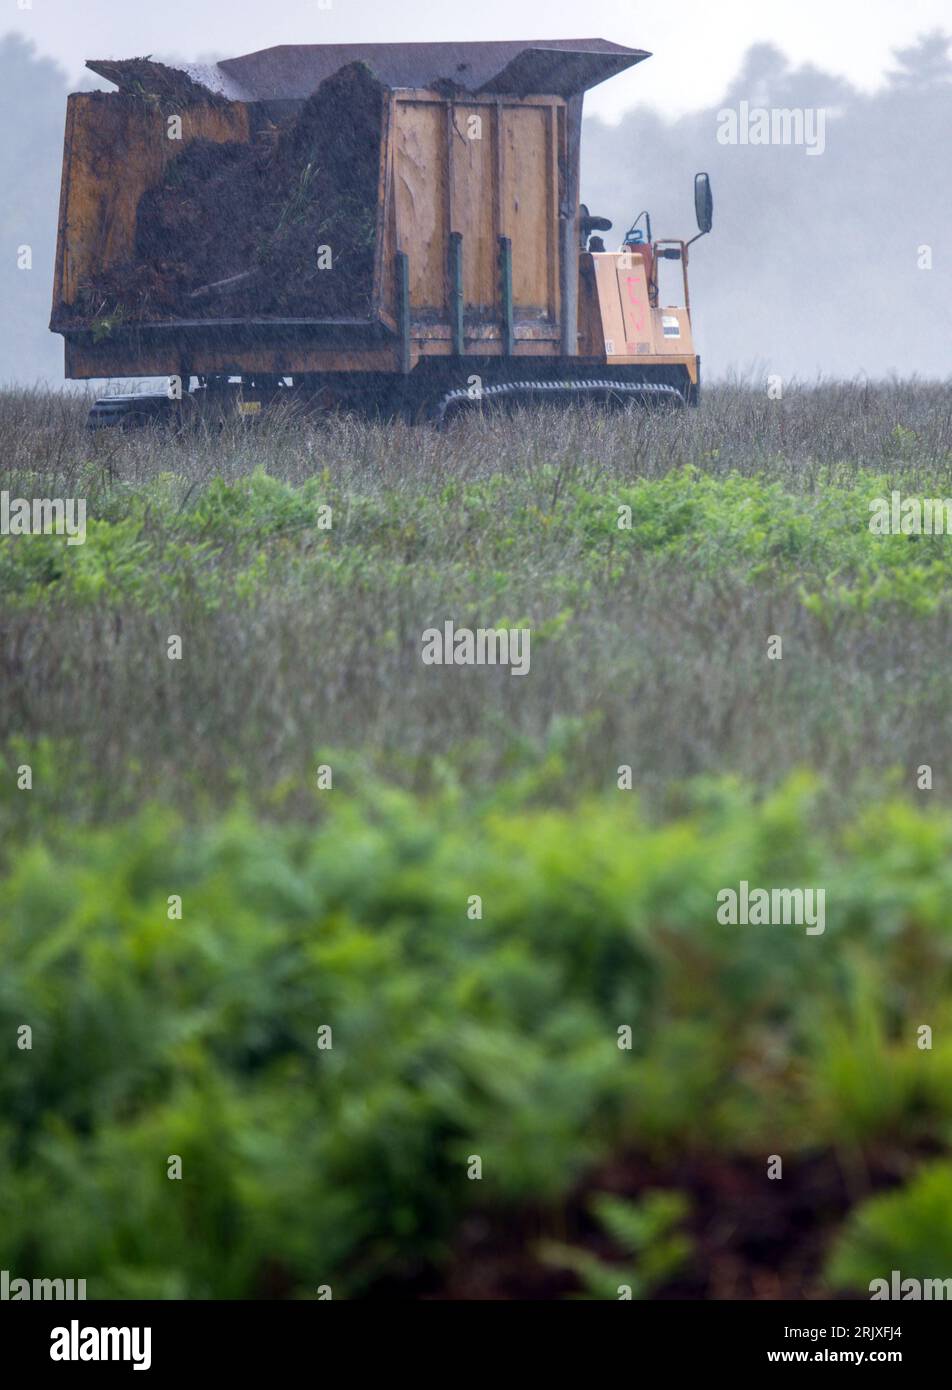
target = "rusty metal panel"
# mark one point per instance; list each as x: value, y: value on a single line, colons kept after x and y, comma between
x: 116, y: 147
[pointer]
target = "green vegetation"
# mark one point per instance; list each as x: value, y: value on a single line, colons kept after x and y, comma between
x: 648, y: 645
x: 153, y: 545
x: 645, y: 1231
x: 452, y: 1036
x: 300, y: 563
x: 909, y: 1231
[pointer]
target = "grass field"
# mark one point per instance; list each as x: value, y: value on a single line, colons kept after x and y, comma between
x: 299, y: 564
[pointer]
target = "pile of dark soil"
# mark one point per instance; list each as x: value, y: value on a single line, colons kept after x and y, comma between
x: 751, y: 1238
x: 236, y: 231
x: 142, y: 77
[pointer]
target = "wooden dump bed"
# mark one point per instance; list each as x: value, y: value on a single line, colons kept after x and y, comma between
x: 474, y: 228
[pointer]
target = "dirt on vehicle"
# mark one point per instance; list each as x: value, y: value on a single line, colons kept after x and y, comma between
x: 282, y: 227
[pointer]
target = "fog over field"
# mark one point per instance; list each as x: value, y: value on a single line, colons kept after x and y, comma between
x: 832, y: 260
x: 814, y: 262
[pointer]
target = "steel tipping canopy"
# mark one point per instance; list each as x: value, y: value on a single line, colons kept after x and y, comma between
x: 291, y: 72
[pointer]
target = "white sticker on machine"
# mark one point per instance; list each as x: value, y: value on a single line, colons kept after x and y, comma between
x: 670, y: 326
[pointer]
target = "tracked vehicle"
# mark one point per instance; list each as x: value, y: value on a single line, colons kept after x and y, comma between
x: 439, y: 184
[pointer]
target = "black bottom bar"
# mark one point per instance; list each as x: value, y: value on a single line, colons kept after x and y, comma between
x: 675, y: 1337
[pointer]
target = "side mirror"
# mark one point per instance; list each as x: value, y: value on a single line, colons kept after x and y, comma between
x: 703, y: 203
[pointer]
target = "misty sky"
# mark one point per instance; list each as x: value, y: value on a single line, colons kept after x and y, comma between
x: 697, y: 45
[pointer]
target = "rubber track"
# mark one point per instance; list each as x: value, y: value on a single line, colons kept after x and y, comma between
x: 505, y: 389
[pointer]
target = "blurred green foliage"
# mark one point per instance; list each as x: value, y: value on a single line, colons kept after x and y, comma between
x: 909, y: 1231
x: 645, y: 1231
x: 451, y: 1036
